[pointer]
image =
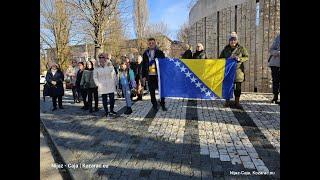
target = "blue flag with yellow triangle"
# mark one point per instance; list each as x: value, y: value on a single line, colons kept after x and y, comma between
x: 196, y: 78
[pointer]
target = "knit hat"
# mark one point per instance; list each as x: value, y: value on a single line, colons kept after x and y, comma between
x: 233, y: 35
x: 54, y: 64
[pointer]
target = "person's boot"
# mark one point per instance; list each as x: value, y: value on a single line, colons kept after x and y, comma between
x: 275, y: 98
x: 139, y: 97
x: 163, y: 107
x: 113, y: 112
x: 237, y: 103
x: 128, y: 111
x: 227, y: 103
x: 54, y: 108
x: 96, y: 109
x: 155, y: 106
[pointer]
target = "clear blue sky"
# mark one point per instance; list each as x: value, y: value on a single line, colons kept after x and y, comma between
x: 172, y: 12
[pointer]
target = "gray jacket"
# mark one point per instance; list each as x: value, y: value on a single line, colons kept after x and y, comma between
x: 87, y: 80
x: 275, y: 52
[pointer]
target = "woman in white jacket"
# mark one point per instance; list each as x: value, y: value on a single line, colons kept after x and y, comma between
x: 105, y: 78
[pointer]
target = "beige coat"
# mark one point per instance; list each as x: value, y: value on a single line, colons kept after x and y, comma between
x: 105, y: 78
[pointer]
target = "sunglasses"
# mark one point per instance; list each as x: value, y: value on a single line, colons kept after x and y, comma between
x: 102, y: 57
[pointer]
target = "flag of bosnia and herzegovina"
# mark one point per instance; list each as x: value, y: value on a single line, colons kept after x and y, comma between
x: 196, y: 78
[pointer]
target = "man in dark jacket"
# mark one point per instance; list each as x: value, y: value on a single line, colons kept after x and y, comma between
x: 238, y: 52
x: 149, y: 71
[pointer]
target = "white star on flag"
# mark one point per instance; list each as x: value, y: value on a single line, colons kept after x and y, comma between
x: 198, y: 84
x: 188, y: 74
x: 193, y: 79
x: 203, y: 89
x: 171, y: 59
x: 177, y: 63
x: 208, y: 93
x: 183, y: 69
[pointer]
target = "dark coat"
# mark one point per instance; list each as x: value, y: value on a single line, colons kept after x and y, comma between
x: 199, y: 55
x: 145, y: 61
x: 187, y: 54
x: 78, y: 80
x: 242, y: 53
x: 133, y: 66
x: 55, y: 90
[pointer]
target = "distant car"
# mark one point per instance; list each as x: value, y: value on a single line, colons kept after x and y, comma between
x: 42, y: 79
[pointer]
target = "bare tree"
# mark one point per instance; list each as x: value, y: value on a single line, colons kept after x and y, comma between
x: 183, y: 33
x: 191, y: 3
x: 115, y: 36
x: 157, y: 29
x: 140, y: 17
x: 140, y: 20
x: 55, y: 28
x: 97, y: 14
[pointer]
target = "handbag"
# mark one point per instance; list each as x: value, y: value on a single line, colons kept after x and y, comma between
x: 47, y: 91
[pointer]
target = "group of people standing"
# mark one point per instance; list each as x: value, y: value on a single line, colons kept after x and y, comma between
x: 239, y: 53
x: 90, y: 80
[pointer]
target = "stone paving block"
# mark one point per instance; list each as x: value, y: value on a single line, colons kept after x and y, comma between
x: 224, y: 158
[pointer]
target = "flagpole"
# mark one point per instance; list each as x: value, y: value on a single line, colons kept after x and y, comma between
x: 159, y: 83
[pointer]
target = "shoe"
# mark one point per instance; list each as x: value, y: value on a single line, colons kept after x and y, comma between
x: 78, y: 101
x: 237, y: 106
x: 227, y: 103
x: 275, y: 98
x: 237, y: 103
x: 139, y: 98
x: 90, y: 110
x: 54, y: 109
x: 61, y: 107
x: 113, y: 113
x: 85, y: 108
x: 155, y: 107
x: 96, y: 109
x: 128, y: 111
x: 106, y: 114
x: 164, y: 108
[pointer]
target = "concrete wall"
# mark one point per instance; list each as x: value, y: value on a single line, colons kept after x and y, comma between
x: 211, y: 21
x: 205, y: 8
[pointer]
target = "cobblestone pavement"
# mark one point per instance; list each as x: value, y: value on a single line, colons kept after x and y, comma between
x: 195, y: 139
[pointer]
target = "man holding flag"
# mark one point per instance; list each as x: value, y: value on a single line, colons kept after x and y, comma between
x: 235, y: 51
x: 150, y: 72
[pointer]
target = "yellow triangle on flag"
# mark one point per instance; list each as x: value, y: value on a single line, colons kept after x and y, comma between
x: 209, y: 71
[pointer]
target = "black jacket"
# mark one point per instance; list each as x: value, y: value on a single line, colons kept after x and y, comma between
x: 145, y: 61
x: 187, y: 54
x: 199, y: 55
x: 79, y: 76
x: 55, y: 90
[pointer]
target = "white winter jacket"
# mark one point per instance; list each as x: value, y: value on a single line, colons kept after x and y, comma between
x: 105, y: 78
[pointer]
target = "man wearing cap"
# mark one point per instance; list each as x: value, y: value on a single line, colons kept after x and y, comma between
x: 235, y: 51
x: 105, y: 78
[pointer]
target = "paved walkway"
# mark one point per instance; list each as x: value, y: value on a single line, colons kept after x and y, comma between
x: 46, y: 161
x: 193, y: 139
